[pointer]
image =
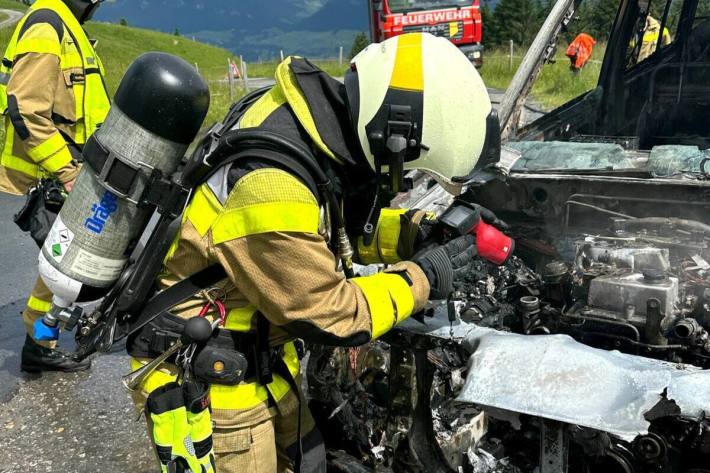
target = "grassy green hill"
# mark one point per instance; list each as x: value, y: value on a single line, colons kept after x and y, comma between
x: 119, y: 45
x: 12, y: 5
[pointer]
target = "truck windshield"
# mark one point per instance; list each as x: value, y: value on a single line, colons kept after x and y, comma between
x: 403, y: 6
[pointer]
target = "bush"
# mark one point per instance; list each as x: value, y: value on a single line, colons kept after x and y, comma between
x: 359, y: 43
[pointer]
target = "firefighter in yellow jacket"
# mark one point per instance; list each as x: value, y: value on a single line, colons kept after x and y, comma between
x: 650, y: 39
x: 412, y: 102
x: 53, y: 97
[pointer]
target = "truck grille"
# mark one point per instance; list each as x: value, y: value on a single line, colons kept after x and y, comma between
x: 451, y: 30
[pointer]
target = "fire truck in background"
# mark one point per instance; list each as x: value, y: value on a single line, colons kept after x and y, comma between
x: 458, y: 20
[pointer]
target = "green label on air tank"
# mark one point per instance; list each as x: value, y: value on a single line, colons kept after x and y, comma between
x: 57, y: 249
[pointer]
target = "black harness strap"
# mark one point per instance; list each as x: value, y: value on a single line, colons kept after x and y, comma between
x: 278, y: 365
x: 110, y: 168
x: 176, y: 294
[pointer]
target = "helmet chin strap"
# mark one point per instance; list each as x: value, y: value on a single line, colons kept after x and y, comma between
x: 83, y: 10
x: 390, y: 146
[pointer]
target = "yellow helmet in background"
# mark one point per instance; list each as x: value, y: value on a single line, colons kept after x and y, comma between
x: 417, y: 102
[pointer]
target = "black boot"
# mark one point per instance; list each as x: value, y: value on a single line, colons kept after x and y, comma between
x: 36, y: 358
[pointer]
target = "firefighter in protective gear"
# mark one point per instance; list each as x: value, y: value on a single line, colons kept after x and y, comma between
x: 411, y: 102
x: 53, y: 97
x: 651, y: 34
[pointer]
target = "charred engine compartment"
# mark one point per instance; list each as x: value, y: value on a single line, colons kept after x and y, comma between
x: 610, y: 280
x: 633, y: 291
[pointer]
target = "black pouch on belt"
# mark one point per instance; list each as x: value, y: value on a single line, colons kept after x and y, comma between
x: 215, y: 365
x: 43, y: 203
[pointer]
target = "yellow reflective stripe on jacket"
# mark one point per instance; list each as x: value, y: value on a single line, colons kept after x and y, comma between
x: 38, y: 304
x: 51, y: 146
x: 156, y: 379
x: 239, y: 319
x: 262, y: 108
x: 297, y: 102
x: 652, y: 36
x: 91, y: 97
x: 241, y: 396
x: 38, y: 45
x: 57, y: 161
x: 267, y: 200
x: 265, y: 218
x: 383, y: 248
x: 18, y: 164
x: 389, y: 298
x: 203, y: 209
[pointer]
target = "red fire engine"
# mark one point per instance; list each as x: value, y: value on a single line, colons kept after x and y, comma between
x: 457, y: 20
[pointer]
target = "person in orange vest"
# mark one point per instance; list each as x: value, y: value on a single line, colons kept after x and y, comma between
x: 580, y: 51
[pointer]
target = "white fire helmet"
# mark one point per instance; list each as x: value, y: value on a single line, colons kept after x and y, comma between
x: 418, y: 103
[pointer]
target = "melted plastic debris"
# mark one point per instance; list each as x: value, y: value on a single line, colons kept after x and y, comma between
x: 558, y: 378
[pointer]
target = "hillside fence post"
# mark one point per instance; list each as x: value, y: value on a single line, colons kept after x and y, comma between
x: 245, y: 76
x: 230, y: 79
x: 340, y: 57
x: 510, y: 61
x: 197, y: 68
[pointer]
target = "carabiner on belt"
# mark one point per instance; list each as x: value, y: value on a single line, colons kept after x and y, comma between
x: 214, y: 302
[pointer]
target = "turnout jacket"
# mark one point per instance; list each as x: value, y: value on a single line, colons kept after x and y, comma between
x: 52, y: 94
x: 269, y: 231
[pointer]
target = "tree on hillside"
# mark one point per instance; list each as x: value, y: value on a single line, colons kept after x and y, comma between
x: 176, y: 32
x: 519, y: 20
x: 359, y: 43
x: 123, y: 22
x: 489, y: 34
x: 594, y: 17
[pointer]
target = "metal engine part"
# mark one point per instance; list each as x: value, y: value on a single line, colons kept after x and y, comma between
x: 620, y: 254
x: 627, y: 293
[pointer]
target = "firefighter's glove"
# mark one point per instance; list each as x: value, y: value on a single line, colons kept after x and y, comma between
x: 442, y: 264
x: 182, y: 428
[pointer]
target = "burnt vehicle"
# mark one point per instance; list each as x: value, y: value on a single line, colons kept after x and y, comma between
x: 588, y: 351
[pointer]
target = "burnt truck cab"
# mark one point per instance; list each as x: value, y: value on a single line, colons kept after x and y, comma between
x: 588, y: 351
x: 644, y: 100
x: 457, y: 20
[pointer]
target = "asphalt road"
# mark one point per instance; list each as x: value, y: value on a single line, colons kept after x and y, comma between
x: 78, y: 423
x: 73, y: 423
x: 12, y: 17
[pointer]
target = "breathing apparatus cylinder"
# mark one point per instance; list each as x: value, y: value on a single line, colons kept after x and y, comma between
x: 157, y: 112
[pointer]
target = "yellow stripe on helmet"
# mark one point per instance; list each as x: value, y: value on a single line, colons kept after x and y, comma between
x: 408, y: 72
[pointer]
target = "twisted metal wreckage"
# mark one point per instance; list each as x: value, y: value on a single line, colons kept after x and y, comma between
x: 589, y: 350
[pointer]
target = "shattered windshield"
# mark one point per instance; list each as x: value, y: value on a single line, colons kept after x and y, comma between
x: 646, y: 118
x: 661, y: 161
x: 402, y: 6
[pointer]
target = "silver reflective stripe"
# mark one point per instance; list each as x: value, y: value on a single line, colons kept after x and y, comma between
x: 4, y: 78
x: 218, y: 184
